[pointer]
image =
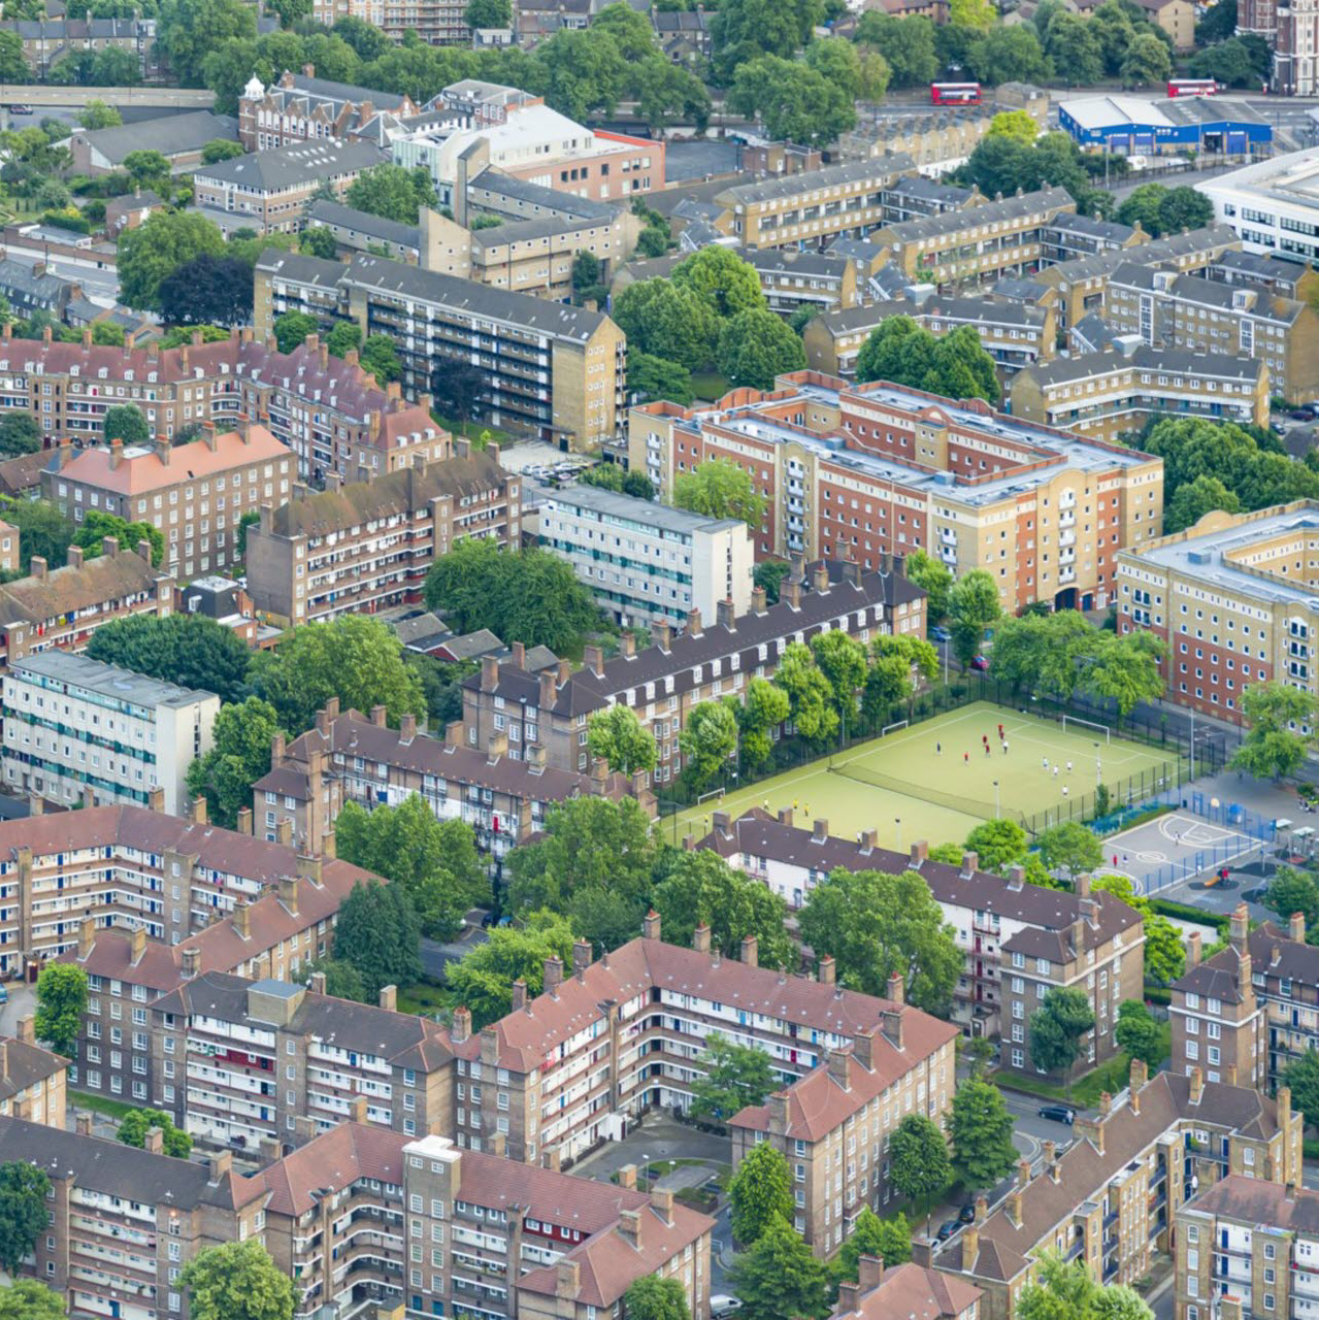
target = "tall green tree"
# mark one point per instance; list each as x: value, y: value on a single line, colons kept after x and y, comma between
x: 721, y: 489
x: 954, y: 366
x: 997, y: 843
x: 61, y: 1003
x: 1193, y: 501
x: 755, y: 346
x: 981, y: 1129
x: 1300, y: 1076
x: 135, y: 1125
x: 743, y: 29
x: 700, y: 887
x: 126, y: 422
x: 721, y: 280
x: 435, y: 860
x: 842, y: 660
x: 292, y: 329
x: 973, y: 608
x: 585, y: 72
x: 19, y: 434
x: 707, y: 741
x: 794, y: 101
x: 1292, y: 891
x: 167, y: 240
x: 26, y: 1299
x: 96, y: 526
x: 810, y: 696
x: 653, y: 1298
x: 919, y: 1166
x: 906, y: 44
x: 341, y: 979
x: 1068, y: 1292
x: 1138, y: 1034
x: 934, y: 578
x: 531, y: 596
x: 669, y: 322
x: 764, y: 708
x: 1071, y: 848
x: 356, y: 658
x: 734, y: 1076
x: 483, y: 978
x: 1126, y: 670
x: 379, y: 933
x: 1057, y: 1027
x: 1006, y: 53
x: 760, y: 1192
x: 43, y: 530
x: 237, y: 1281
x: 1147, y: 61
x: 239, y: 755
x: 887, y: 1240
x: 188, y: 649
x: 619, y: 738
x: 778, y: 1277
x: 23, y: 1214
x: 874, y: 925
x: 1275, y: 713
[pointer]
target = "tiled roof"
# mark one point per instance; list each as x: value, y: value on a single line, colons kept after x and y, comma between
x: 284, y: 168
x: 1183, y: 361
x: 912, y: 1292
x: 159, y: 967
x: 830, y: 176
x: 24, y: 1065
x: 951, y: 222
x: 339, y: 216
x: 67, y: 590
x: 171, y: 135
x: 1262, y: 1204
x: 331, y: 1162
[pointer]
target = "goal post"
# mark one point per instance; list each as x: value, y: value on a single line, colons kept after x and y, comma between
x: 894, y: 728
x: 1091, y: 725
x: 717, y: 793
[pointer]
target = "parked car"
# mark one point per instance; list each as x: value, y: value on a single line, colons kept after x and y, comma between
x: 19, y: 109
x: 940, y: 634
x: 721, y: 1304
x: 980, y: 662
x: 1057, y: 1113
x: 947, y: 1229
x: 967, y: 1215
x: 1303, y: 414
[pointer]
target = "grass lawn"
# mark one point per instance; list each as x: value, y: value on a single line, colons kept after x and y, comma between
x: 423, y: 998
x: 1085, y: 1093
x: 710, y: 385
x: 115, y: 1109
x: 473, y: 430
x: 933, y: 780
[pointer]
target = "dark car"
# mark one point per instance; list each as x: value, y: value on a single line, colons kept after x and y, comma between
x: 1302, y: 415
x: 967, y: 1215
x: 940, y: 634
x: 947, y: 1229
x: 1057, y: 1113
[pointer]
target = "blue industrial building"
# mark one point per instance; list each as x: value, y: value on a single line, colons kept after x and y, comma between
x: 1127, y: 126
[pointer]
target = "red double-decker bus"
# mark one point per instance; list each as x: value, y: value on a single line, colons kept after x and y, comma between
x: 1193, y: 87
x: 955, y: 93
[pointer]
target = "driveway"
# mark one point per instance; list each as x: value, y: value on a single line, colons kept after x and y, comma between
x: 22, y: 1003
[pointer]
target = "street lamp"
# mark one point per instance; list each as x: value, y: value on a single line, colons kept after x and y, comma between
x: 996, y: 799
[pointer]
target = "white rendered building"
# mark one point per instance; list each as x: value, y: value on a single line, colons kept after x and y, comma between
x: 1274, y: 205
x: 649, y: 563
x: 76, y: 728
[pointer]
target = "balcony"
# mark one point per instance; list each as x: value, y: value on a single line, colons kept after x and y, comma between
x: 1077, y: 1248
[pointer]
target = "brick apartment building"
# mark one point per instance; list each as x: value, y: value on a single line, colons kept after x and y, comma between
x: 133, y: 868
x: 269, y: 190
x: 507, y: 704
x: 64, y: 606
x: 1246, y: 1247
x: 1235, y: 598
x: 860, y: 471
x: 194, y: 494
x: 484, y: 1234
x: 329, y: 412
x: 1017, y: 939
x: 1252, y: 1009
x: 1109, y: 395
x: 367, y: 546
x: 33, y: 1081
x: 351, y: 757
x: 1111, y: 1198
x: 300, y: 107
x: 833, y: 1126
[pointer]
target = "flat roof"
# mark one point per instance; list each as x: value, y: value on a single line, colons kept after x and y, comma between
x: 107, y: 680
x: 1203, y: 557
x: 1097, y: 112
x: 1294, y: 178
x: 628, y: 508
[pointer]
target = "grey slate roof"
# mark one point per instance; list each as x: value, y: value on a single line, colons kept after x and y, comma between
x: 1092, y: 334
x: 547, y: 318
x: 1175, y: 360
x: 1010, y: 208
x: 287, y: 167
x: 171, y: 135
x: 20, y: 277
x: 302, y: 270
x: 550, y: 200
x: 25, y: 1065
x: 363, y: 222
x: 1089, y: 227
x: 831, y: 176
x: 324, y: 89
x: 981, y: 311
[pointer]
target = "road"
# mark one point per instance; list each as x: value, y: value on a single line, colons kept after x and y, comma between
x: 41, y: 95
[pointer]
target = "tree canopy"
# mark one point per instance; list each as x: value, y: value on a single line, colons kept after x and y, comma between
x: 23, y: 1214
x: 721, y: 489
x: 482, y: 980
x: 733, y: 1077
x: 760, y: 1192
x: 237, y: 1281
x: 378, y: 933
x: 61, y: 1003
x: 188, y: 649
x: 1276, y: 714
x: 954, y: 366
x: 239, y: 755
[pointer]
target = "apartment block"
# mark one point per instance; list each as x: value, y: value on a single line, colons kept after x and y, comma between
x: 179, y: 489
x: 1248, y: 1248
x: 1170, y: 310
x: 848, y: 1109
x: 131, y: 867
x: 1235, y: 598
x: 1110, y: 1200
x: 46, y: 41
x: 996, y: 922
x: 76, y: 729
x: 266, y: 1065
x: 648, y: 563
x: 1081, y: 282
x: 860, y: 471
x: 1109, y: 395
x: 124, y: 1221
x: 810, y: 208
x: 63, y: 607
x: 269, y: 190
x: 823, y: 281
x: 437, y: 22
x: 543, y: 367
x: 33, y: 1081
x: 368, y: 546
x: 270, y: 938
x: 300, y: 107
x: 330, y: 413
x: 1269, y: 204
x: 978, y: 245
x: 511, y: 706
x: 1251, y: 1010
x: 608, y: 1040
x: 351, y: 757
